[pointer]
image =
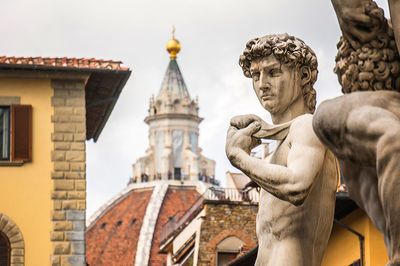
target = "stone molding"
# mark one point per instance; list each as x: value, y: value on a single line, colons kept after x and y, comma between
x: 9, y: 100
x: 69, y: 173
x: 14, y: 235
x: 149, y: 119
x: 149, y: 224
x: 248, y: 241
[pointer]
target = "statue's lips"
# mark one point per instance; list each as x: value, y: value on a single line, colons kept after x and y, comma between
x: 267, y: 97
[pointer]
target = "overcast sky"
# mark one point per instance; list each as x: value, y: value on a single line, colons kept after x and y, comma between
x: 212, y: 33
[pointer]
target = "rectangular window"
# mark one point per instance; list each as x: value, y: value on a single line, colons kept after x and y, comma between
x: 193, y: 140
x: 177, y: 148
x: 225, y: 257
x: 16, y: 133
x: 160, y: 143
x: 189, y: 261
x: 4, y: 133
x: 177, y: 173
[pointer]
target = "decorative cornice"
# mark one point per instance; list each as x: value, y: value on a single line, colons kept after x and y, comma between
x: 150, y: 118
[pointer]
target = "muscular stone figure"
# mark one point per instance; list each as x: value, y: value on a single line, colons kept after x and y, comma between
x: 363, y: 130
x: 362, y: 127
x: 299, y: 180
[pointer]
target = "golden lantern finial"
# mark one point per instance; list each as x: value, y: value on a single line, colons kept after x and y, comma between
x: 173, y: 45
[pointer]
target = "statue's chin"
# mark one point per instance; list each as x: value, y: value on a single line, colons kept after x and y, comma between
x: 272, y: 109
x: 269, y: 106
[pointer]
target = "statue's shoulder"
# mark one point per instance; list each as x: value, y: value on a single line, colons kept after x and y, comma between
x: 301, y: 129
x: 302, y: 122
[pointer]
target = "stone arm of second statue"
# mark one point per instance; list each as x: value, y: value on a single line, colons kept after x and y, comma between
x: 292, y: 182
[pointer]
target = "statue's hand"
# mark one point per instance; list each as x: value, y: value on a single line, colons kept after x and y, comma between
x: 239, y: 140
x: 242, y: 121
x: 267, y: 131
x: 355, y: 24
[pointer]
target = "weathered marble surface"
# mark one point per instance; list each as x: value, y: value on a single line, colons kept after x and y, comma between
x: 299, y: 179
x: 362, y: 127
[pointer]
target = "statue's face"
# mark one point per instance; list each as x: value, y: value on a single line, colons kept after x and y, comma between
x: 277, y: 85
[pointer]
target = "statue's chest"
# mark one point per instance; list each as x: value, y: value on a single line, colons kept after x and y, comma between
x: 279, y: 156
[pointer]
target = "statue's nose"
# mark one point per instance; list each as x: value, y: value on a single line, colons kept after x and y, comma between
x: 265, y: 87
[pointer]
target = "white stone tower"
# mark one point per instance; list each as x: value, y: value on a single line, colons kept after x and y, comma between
x: 173, y: 121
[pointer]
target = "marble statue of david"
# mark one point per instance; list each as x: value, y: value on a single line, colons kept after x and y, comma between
x: 299, y: 179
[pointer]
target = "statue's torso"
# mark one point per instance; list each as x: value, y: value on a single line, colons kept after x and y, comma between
x: 275, y: 215
x: 298, y: 227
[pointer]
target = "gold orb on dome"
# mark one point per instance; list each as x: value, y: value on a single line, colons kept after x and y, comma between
x: 173, y: 48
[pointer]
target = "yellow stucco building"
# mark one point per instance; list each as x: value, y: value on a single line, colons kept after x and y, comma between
x: 49, y: 107
x: 354, y: 239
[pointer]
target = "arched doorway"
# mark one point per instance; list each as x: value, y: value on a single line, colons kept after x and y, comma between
x: 5, y: 250
x: 228, y: 249
x: 12, y: 246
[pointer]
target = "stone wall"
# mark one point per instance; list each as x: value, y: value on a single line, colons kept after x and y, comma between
x: 223, y: 220
x: 69, y: 173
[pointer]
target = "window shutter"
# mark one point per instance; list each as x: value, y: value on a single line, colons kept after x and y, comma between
x: 21, y: 133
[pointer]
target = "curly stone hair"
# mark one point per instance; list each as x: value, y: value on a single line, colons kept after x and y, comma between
x: 288, y: 50
x: 371, y: 66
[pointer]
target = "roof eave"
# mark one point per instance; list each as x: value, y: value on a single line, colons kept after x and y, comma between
x: 57, y: 72
x: 113, y: 101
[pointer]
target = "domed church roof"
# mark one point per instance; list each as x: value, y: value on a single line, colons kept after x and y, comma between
x: 126, y: 230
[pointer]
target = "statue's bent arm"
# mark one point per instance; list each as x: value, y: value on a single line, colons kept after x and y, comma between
x: 293, y: 182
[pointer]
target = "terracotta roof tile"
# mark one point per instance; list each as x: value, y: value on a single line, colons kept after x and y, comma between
x: 64, y: 62
x: 176, y: 202
x: 112, y: 239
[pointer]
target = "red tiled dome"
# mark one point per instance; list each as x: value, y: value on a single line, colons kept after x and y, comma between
x: 112, y: 238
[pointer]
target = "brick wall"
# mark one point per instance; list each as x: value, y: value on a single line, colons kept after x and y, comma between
x: 69, y: 173
x: 223, y: 220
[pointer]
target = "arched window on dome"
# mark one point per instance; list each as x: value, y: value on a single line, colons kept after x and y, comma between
x: 228, y: 249
x: 5, y: 250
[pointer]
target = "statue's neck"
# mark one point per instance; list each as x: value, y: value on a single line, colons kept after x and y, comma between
x: 296, y: 109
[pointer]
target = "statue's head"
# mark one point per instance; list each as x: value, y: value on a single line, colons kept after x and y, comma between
x: 283, y: 68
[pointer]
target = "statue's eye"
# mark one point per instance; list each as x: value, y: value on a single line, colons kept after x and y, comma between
x: 255, y: 75
x: 275, y: 72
